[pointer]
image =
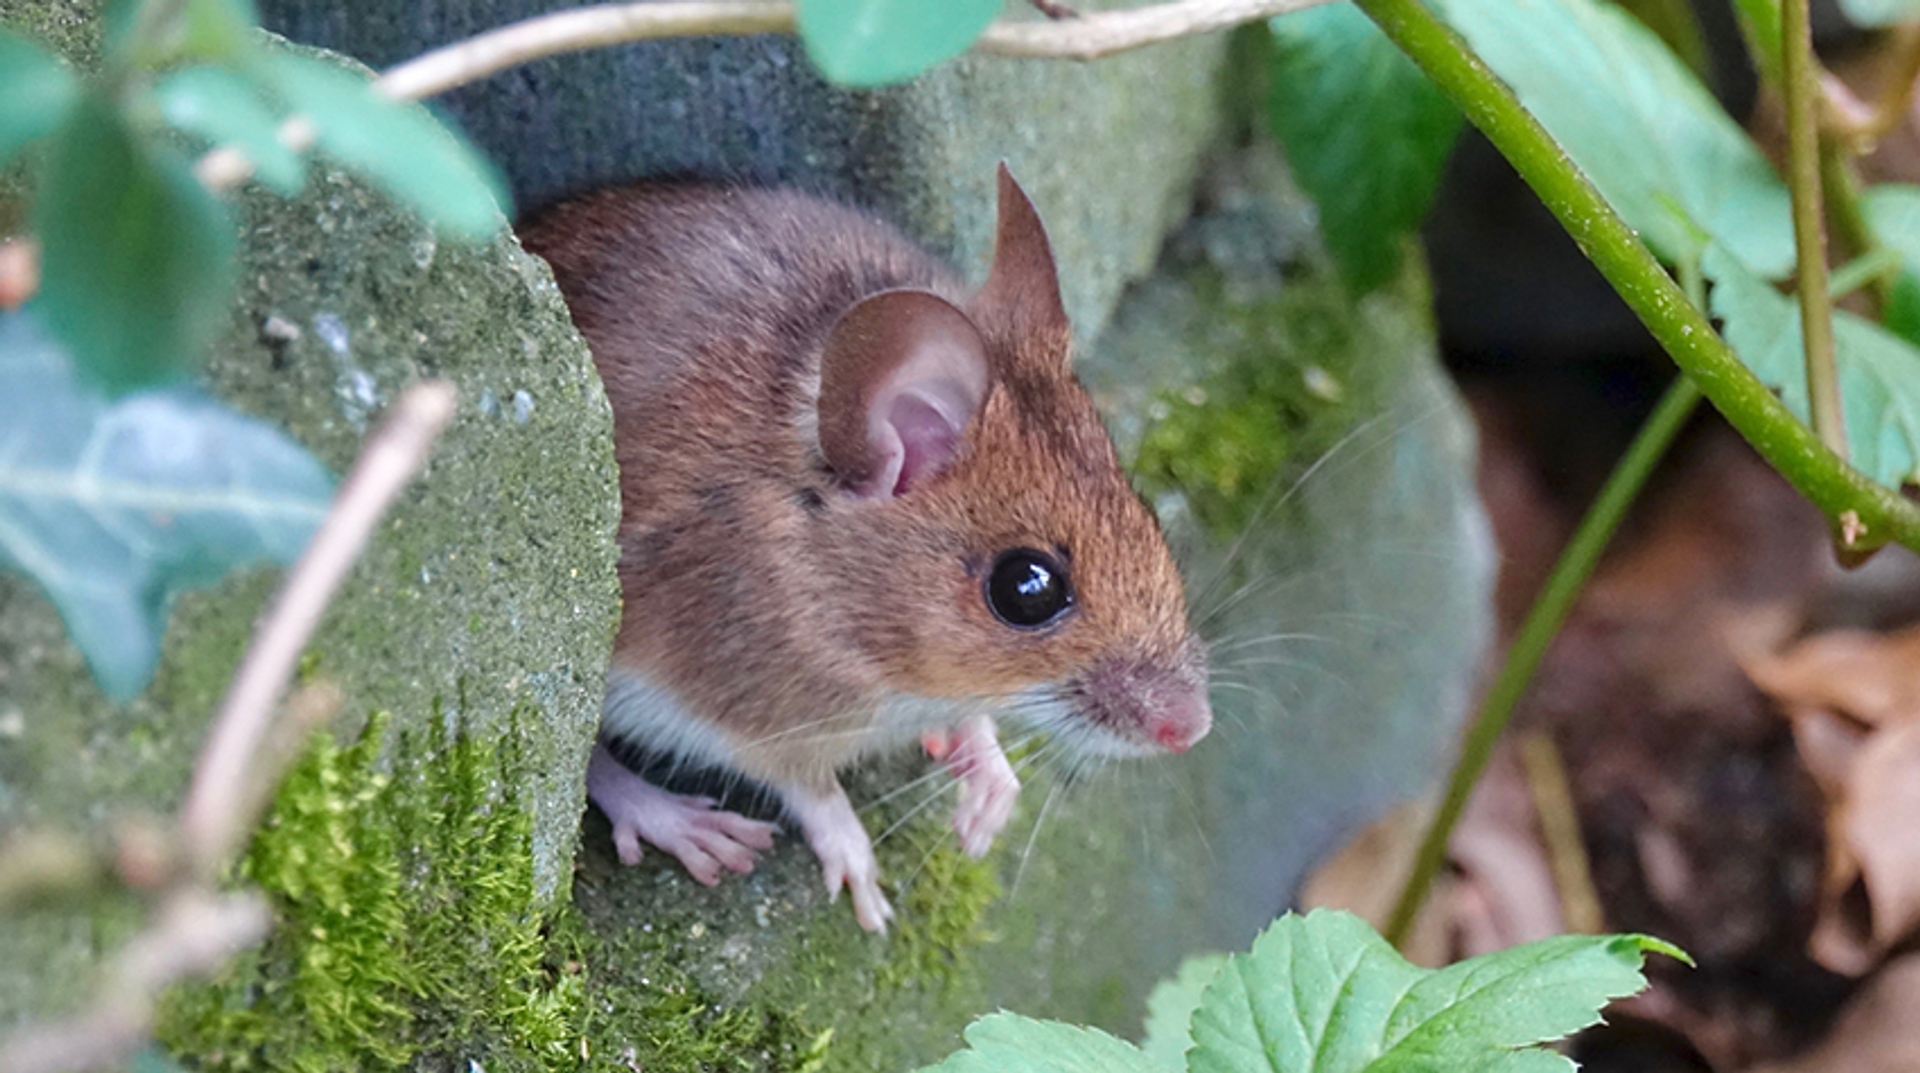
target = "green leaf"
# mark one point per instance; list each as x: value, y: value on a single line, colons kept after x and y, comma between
x: 1009, y: 1043
x: 1170, y: 1010
x: 114, y: 505
x: 1637, y: 122
x: 1876, y: 13
x: 874, y: 42
x: 35, y: 91
x: 224, y: 109
x: 137, y: 260
x: 1879, y: 372
x: 402, y: 147
x: 1324, y: 994
x: 1893, y: 212
x: 217, y: 31
x: 1366, y: 134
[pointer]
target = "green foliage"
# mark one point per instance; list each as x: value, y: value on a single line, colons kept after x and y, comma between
x: 1639, y: 124
x: 1879, y: 372
x: 1324, y: 994
x: 113, y: 506
x: 399, y: 146
x: 35, y: 91
x: 223, y: 108
x: 940, y: 911
x: 1893, y: 211
x: 874, y: 42
x: 1366, y: 135
x: 137, y: 258
x: 404, y: 924
x: 1170, y: 1009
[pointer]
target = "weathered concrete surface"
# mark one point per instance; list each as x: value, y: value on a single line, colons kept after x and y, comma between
x: 486, y: 601
x: 1108, y: 150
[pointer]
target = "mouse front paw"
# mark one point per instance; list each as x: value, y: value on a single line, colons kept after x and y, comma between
x: 706, y: 839
x: 834, y: 832
x: 988, y: 786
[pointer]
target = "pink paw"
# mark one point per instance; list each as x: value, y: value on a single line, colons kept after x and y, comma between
x: 706, y: 839
x: 988, y: 786
x: 846, y: 853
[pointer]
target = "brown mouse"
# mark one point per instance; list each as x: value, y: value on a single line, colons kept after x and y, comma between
x: 860, y: 507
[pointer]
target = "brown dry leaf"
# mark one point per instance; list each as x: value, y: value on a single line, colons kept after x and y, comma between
x: 1868, y: 677
x: 1365, y: 876
x: 1871, y: 899
x: 1855, y: 703
x: 1878, y: 1032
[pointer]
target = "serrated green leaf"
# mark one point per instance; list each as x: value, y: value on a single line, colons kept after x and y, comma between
x: 1877, y: 13
x: 875, y: 42
x: 137, y: 259
x: 225, y: 109
x: 35, y: 91
x: 1879, y: 372
x: 1324, y: 994
x: 1170, y: 1010
x: 1638, y: 123
x: 1009, y: 1043
x: 114, y: 505
x: 1366, y: 134
x: 400, y: 146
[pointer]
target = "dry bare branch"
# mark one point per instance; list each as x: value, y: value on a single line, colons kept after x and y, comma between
x: 213, y: 819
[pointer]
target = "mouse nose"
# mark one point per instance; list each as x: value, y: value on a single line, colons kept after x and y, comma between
x: 1183, y: 719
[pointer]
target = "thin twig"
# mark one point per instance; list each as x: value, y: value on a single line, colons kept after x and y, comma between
x: 1089, y: 36
x: 1553, y: 804
x: 1536, y: 633
x: 1801, y: 87
x: 1853, y: 120
x: 211, y: 820
x: 195, y: 932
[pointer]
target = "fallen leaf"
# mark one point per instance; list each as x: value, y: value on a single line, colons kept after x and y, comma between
x: 1868, y: 677
x: 1877, y: 1032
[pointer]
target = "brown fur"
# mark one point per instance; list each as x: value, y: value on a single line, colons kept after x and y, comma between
x: 770, y: 599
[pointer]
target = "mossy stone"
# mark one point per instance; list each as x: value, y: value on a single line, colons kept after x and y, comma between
x: 487, y: 599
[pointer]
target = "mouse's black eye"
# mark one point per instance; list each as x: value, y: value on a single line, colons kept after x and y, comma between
x: 1028, y: 589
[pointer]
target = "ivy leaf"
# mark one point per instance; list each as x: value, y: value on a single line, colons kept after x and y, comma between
x: 1879, y: 372
x: 1638, y: 123
x: 1170, y: 1011
x: 35, y: 92
x: 400, y: 146
x: 1372, y: 180
x: 874, y: 42
x: 114, y: 505
x: 137, y: 258
x: 224, y: 108
x: 1869, y: 14
x: 1324, y: 993
x: 1009, y: 1043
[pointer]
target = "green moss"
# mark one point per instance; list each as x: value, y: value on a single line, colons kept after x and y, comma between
x: 404, y: 927
x: 941, y: 910
x: 1284, y: 388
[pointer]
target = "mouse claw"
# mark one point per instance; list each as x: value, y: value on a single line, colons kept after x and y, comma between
x: 988, y: 786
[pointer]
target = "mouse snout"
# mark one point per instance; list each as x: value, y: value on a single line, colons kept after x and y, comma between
x: 1181, y: 718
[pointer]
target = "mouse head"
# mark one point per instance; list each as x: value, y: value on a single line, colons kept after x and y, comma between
x: 994, y: 546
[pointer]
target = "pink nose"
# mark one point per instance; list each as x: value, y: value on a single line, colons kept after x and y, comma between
x: 1183, y: 720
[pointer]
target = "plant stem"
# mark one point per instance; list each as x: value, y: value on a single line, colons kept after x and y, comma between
x: 1801, y: 87
x: 1855, y: 234
x: 1873, y: 512
x: 1529, y: 645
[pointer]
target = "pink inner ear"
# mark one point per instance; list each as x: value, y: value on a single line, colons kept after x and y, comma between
x: 919, y: 439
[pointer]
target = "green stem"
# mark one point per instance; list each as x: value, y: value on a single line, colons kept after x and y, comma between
x: 1869, y: 513
x: 1801, y: 87
x: 1881, y: 267
x: 1529, y: 646
x: 1856, y: 235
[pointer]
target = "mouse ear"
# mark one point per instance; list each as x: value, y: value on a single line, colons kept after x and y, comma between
x: 1023, y: 278
x: 902, y: 375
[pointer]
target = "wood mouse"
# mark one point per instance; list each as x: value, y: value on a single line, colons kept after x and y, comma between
x: 860, y: 507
